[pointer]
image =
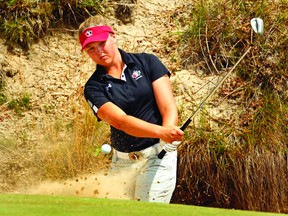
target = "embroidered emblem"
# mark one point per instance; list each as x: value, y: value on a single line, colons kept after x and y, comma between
x: 136, y: 74
x: 89, y: 33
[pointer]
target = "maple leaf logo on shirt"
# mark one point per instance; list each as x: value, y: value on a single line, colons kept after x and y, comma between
x: 136, y: 74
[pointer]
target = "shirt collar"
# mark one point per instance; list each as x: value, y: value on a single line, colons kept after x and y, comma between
x: 126, y: 58
x: 101, y: 72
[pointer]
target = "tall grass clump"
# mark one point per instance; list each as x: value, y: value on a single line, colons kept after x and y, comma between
x: 23, y: 22
x: 74, y: 147
x: 243, y: 162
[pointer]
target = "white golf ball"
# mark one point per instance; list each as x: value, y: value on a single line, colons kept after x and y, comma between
x: 106, y: 148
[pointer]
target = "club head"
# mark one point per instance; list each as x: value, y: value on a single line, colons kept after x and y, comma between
x: 257, y: 25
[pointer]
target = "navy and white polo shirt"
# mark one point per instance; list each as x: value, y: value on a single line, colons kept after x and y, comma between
x: 133, y: 93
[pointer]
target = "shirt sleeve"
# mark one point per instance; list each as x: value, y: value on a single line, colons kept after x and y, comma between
x: 94, y: 94
x: 156, y: 68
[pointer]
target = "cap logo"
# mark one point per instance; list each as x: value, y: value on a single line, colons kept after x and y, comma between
x: 89, y: 33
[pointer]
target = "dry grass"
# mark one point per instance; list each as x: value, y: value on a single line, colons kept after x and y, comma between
x: 232, y: 177
x: 244, y: 163
x: 62, y: 149
x: 74, y: 147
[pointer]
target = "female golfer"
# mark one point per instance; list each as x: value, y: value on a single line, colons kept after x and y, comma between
x: 133, y: 94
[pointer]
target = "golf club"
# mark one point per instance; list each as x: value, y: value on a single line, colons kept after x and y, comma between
x: 258, y: 27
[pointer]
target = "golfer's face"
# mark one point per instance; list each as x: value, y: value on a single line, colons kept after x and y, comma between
x: 102, y: 52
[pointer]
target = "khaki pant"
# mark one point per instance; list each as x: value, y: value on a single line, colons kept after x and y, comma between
x: 153, y: 179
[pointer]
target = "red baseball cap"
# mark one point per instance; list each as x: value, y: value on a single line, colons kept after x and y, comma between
x: 94, y: 34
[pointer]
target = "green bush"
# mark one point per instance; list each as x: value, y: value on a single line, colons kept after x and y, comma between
x: 19, y: 105
x: 25, y: 21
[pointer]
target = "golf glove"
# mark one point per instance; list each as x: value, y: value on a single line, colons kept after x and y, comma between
x: 170, y: 147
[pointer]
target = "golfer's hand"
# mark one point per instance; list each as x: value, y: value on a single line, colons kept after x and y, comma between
x: 170, y: 134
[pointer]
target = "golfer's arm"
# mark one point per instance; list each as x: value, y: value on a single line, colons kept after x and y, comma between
x: 117, y: 118
x: 165, y: 101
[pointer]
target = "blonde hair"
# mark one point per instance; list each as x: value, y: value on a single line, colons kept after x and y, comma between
x: 92, y: 21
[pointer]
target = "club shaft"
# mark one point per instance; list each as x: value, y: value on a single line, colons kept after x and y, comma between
x: 188, y: 121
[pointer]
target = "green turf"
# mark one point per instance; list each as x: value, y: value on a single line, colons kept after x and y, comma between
x: 22, y: 205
